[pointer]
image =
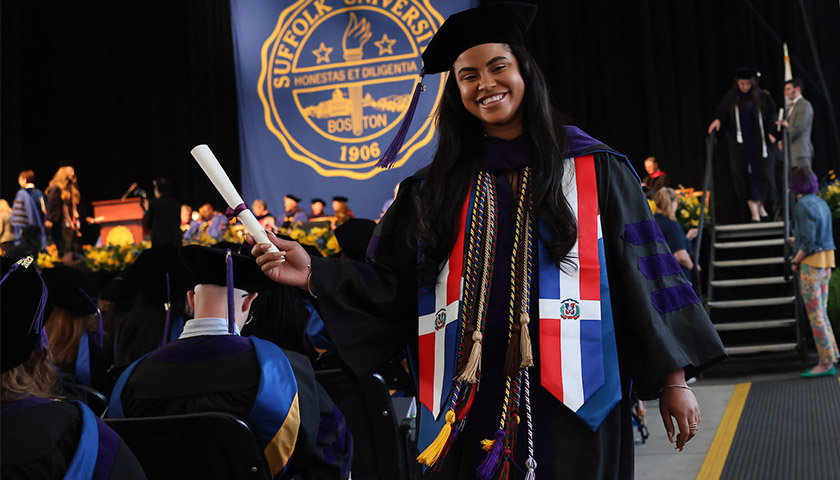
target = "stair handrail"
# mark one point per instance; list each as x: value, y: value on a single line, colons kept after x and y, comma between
x: 786, y: 189
x: 711, y: 139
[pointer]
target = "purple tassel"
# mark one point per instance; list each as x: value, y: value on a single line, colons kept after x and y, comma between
x: 168, y: 307
x: 491, y: 463
x: 37, y: 324
x: 229, y: 280
x: 388, y: 158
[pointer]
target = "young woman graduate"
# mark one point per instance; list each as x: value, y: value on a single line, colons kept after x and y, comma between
x: 492, y: 266
x: 43, y: 437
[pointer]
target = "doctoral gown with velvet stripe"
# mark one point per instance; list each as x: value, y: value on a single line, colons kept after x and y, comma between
x: 370, y: 311
x: 38, y: 439
x: 221, y: 373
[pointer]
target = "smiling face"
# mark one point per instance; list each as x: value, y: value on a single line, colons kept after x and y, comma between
x: 492, y: 88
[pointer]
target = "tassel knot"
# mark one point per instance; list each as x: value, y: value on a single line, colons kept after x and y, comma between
x: 473, y: 366
x: 531, y: 464
x: 490, y: 464
x: 525, y: 342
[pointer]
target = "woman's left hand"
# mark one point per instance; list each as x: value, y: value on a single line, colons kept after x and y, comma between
x: 679, y: 403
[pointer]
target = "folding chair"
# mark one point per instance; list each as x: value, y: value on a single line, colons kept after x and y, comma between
x: 201, y: 445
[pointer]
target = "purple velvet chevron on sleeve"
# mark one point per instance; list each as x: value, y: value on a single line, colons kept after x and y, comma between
x: 659, y: 264
x: 673, y: 298
x: 643, y: 232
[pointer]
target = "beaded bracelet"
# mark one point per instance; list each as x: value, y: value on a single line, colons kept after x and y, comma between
x: 309, y: 282
x: 677, y: 386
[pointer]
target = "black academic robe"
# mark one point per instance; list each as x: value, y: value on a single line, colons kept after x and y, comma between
x: 370, y: 311
x: 38, y: 439
x: 220, y: 373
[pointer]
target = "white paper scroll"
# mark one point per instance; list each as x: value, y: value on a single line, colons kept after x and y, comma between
x: 217, y: 175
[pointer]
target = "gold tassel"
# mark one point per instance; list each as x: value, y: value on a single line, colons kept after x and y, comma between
x: 432, y: 453
x: 525, y: 342
x: 470, y: 373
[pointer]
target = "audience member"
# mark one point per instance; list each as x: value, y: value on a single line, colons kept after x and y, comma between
x: 163, y: 215
x: 655, y: 178
x: 342, y: 211
x: 265, y: 218
x: 353, y: 236
x: 186, y: 217
x: 678, y: 240
x: 43, y: 437
x: 160, y: 281
x: 29, y: 208
x: 813, y: 243
x: 79, y: 344
x: 247, y: 377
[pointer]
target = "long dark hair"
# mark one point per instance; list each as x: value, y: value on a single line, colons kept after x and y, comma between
x: 755, y: 93
x: 458, y: 158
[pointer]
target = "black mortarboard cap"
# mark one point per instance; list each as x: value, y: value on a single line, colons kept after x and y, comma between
x: 20, y: 303
x: 71, y: 289
x: 353, y: 236
x: 499, y: 23
x: 207, y: 265
x: 319, y: 200
x: 149, y: 271
x: 293, y: 197
x: 339, y: 198
x: 745, y: 73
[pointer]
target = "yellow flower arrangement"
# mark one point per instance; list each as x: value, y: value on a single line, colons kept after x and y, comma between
x: 688, y: 209
x: 112, y: 258
x: 830, y: 192
x: 321, y: 238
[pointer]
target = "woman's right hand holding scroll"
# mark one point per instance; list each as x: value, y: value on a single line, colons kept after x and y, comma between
x: 290, y: 266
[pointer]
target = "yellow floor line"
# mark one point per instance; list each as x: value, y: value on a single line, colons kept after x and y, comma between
x: 719, y: 450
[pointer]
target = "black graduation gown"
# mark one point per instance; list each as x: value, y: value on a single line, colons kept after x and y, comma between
x: 220, y: 373
x: 38, y: 439
x: 765, y: 178
x: 370, y: 311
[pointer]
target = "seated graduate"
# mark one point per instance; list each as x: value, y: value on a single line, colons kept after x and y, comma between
x: 161, y: 281
x: 40, y: 436
x: 80, y: 347
x: 211, y: 368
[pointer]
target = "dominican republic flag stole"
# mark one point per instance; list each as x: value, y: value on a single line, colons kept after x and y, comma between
x: 578, y: 359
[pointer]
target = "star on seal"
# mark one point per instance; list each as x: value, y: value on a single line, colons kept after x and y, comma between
x: 323, y: 53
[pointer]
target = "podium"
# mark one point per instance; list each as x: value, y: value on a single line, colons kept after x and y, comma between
x: 127, y: 213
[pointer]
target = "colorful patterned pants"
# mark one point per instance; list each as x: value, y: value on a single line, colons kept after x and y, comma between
x: 813, y: 282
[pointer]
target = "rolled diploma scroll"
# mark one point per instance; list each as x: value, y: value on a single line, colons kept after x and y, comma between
x: 217, y: 175
x: 781, y: 117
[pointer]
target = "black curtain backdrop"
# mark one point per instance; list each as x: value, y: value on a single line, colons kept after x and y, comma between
x: 124, y: 90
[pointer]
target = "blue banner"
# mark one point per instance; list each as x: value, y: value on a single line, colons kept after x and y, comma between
x: 323, y: 86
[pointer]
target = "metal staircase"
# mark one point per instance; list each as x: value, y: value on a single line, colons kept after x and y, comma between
x: 751, y: 291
